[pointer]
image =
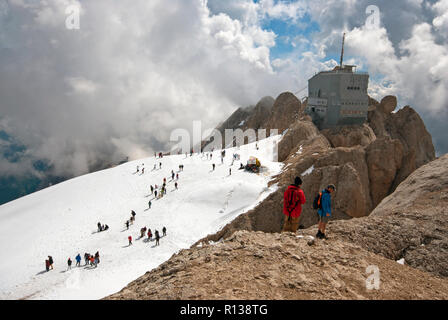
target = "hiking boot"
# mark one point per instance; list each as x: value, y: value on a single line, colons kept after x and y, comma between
x: 319, y: 234
x: 323, y: 236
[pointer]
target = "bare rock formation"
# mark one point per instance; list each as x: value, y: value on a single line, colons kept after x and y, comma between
x: 286, y: 110
x: 384, y: 159
x: 256, y: 265
x: 411, y: 223
x: 350, y: 136
x: 388, y: 104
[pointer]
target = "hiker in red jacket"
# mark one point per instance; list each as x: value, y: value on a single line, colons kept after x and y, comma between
x: 130, y: 240
x: 293, y: 199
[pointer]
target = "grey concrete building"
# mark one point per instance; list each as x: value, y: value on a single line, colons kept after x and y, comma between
x: 338, y: 97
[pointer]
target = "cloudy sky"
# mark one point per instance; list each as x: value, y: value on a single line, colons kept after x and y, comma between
x: 137, y: 69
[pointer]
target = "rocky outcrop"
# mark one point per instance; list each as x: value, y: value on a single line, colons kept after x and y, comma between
x: 406, y: 126
x: 387, y: 104
x: 299, y: 133
x: 384, y: 159
x: 286, y: 111
x: 350, y: 136
x: 409, y: 224
x: 256, y: 265
x: 260, y: 114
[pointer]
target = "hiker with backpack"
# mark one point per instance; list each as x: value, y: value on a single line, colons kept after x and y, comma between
x: 157, y: 237
x: 293, y: 199
x: 322, y: 202
x: 69, y: 263
x: 78, y: 260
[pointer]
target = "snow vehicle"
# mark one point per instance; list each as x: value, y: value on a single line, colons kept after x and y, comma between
x: 253, y: 165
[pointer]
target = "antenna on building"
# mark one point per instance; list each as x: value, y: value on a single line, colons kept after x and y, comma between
x: 342, y: 51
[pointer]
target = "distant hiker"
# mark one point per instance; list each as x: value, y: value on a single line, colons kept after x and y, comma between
x: 143, y: 170
x: 50, y: 260
x: 138, y: 169
x: 160, y: 165
x: 142, y: 232
x: 293, y: 199
x: 149, y: 234
x: 130, y: 240
x: 78, y: 260
x: 177, y: 176
x: 99, y: 227
x: 152, y: 189
x: 172, y: 176
x: 92, y: 260
x: 155, y: 194
x: 106, y: 227
x: 230, y: 171
x: 97, y: 258
x: 213, y: 165
x: 157, y: 237
x: 175, y: 185
x: 241, y: 166
x: 131, y: 220
x: 164, y: 181
x: 149, y: 204
x: 164, y: 231
x: 324, y: 210
x: 127, y: 224
x: 86, y: 258
x: 47, y: 265
x: 69, y: 262
x: 133, y: 213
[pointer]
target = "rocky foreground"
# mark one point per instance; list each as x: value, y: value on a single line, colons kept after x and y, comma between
x: 410, y: 224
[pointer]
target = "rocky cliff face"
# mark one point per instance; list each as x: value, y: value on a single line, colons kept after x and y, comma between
x: 411, y: 223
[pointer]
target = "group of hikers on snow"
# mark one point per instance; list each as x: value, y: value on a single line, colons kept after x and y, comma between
x: 148, y: 232
x: 93, y: 260
x: 102, y: 227
x: 294, y: 198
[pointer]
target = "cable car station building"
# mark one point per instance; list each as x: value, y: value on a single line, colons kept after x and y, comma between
x: 338, y: 97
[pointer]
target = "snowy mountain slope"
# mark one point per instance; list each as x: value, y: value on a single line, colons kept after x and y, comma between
x: 61, y: 221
